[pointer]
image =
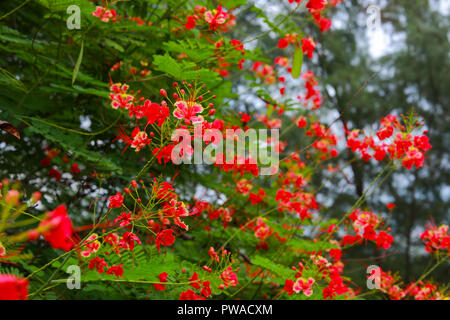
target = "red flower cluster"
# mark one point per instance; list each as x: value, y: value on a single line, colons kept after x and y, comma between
x: 105, y: 14
x: 299, y: 202
x: 229, y: 278
x: 162, y: 278
x: 164, y: 238
x: 312, y: 94
x: 325, y: 271
x: 364, y: 225
x: 436, y: 238
x: 420, y: 290
x: 100, y: 264
x: 405, y: 147
x: 315, y: 7
x: 248, y: 165
x: 217, y: 19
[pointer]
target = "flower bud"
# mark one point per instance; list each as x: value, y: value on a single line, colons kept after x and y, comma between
x: 36, y: 196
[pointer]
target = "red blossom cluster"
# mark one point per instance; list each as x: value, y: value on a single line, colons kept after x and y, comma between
x: 237, y: 164
x: 436, y: 239
x: 52, y: 155
x: 365, y: 224
x: 217, y: 19
x: 312, y: 93
x: 316, y: 7
x: 325, y: 271
x: 105, y: 14
x: 404, y: 146
x: 185, y: 111
x: 299, y: 202
x: 307, y: 44
x: 391, y: 285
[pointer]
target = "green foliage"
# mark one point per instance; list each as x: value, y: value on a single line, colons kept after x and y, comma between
x: 73, y: 144
x: 272, y: 266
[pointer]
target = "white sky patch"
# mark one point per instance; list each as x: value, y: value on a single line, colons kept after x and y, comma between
x: 379, y: 42
x: 85, y: 122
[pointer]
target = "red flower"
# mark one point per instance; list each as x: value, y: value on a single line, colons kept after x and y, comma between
x: 237, y: 45
x: 216, y: 17
x: 190, y: 295
x: 98, y: 263
x: 115, y: 201
x: 308, y: 46
x: 75, y: 169
x: 138, y: 140
x: 282, y: 43
x: 194, y: 281
x: 155, y: 113
x: 58, y: 229
x: 164, y: 238
x: 324, y: 24
x: 13, y: 288
x: 162, y: 278
x: 257, y: 198
x: 45, y: 162
x: 190, y: 23
x: 422, y: 142
x: 245, y: 118
x: 313, y: 5
x: 241, y: 63
x: 55, y: 174
x: 289, y: 286
x: 348, y: 239
x: 229, y: 278
x: 301, y: 122
x: 128, y: 239
x: 385, y: 133
x: 384, y: 240
x: 390, y: 206
x: 163, y: 153
x: 379, y: 154
x: 124, y: 219
x: 336, y: 254
x: 369, y: 233
x: 116, y: 270
x: 436, y: 238
x: 206, y: 290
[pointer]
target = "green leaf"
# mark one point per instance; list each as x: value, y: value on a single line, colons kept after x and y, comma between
x: 184, y: 70
x: 115, y: 45
x: 309, y: 246
x: 272, y: 266
x: 167, y: 64
x: 74, y: 143
x: 77, y: 65
x: 297, y: 62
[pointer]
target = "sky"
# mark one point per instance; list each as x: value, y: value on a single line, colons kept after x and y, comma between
x: 380, y: 40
